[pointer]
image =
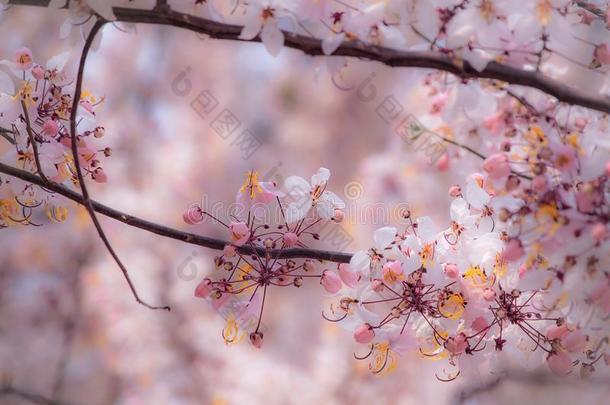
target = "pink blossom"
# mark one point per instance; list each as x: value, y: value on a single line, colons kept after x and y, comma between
x: 497, y: 166
x: 331, y: 282
x: 392, y: 272
x: 364, y: 334
x: 23, y: 58
x: 240, y: 233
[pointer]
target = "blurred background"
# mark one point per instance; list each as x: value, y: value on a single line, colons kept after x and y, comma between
x: 69, y: 327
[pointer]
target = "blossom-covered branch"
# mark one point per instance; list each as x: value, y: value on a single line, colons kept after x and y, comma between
x: 172, y: 233
x: 358, y: 49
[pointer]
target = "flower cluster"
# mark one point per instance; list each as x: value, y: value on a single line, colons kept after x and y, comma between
x: 521, y: 269
x: 35, y: 111
x: 252, y: 262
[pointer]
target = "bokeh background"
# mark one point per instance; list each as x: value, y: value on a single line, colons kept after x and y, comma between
x: 69, y: 327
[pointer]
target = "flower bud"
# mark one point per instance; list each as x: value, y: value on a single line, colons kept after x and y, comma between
x: 338, y: 215
x: 38, y: 72
x: 256, y: 339
x: 364, y: 334
x: 451, y: 270
x: 599, y: 232
x: 331, y: 282
x: 513, y: 250
x: 455, y: 191
x: 290, y: 239
x: 497, y: 166
x: 204, y: 288
x: 193, y: 215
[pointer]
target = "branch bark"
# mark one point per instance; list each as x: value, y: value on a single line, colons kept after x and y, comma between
x: 172, y: 233
x: 359, y: 49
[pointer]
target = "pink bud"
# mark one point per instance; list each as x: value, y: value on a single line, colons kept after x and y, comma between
x: 557, y: 332
x: 598, y: 231
x: 193, y: 215
x: 364, y: 333
x: 585, y: 201
x: 204, y: 288
x: 38, y: 72
x: 513, y: 250
x: 539, y: 184
x: 497, y: 166
x: 99, y: 175
x: 560, y: 363
x: 442, y: 164
x: 290, y: 239
x: 240, y: 233
x: 456, y: 345
x: 348, y: 277
x: 602, y: 54
x: 608, y: 165
x: 229, y: 251
x: 256, y: 339
x: 50, y: 128
x: 338, y: 215
x: 455, y: 191
x: 489, y: 294
x: 581, y: 122
x: 451, y: 270
x: 575, y: 342
x: 479, y: 324
x: 331, y: 282
x: 377, y: 285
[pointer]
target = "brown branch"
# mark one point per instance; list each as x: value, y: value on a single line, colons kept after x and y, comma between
x: 7, y: 391
x: 193, y: 239
x: 81, y: 180
x: 359, y: 49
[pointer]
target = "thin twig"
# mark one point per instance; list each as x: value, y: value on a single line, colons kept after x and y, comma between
x: 32, y: 138
x: 81, y: 180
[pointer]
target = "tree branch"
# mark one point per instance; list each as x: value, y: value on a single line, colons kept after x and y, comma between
x: 359, y: 49
x: 193, y: 239
x: 7, y: 390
